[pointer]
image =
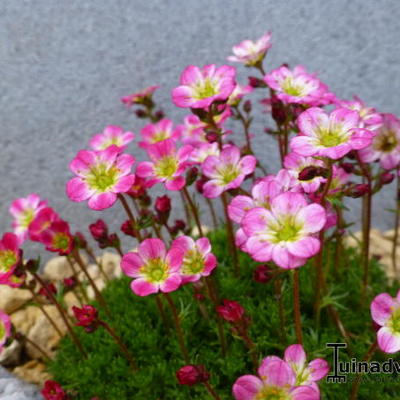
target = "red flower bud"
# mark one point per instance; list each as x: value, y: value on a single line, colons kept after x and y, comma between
x: 358, y: 190
x: 211, y: 137
x: 200, y: 183
x: 247, y: 106
x: 87, y: 317
x: 262, y: 274
x: 70, y: 282
x: 178, y: 226
x: 348, y: 167
x: 140, y: 113
x: 192, y: 374
x: 163, y: 204
x: 159, y: 115
x: 230, y: 311
x: 99, y: 230
x: 256, y: 82
x: 386, y: 178
x: 47, y: 290
x: 126, y: 227
x: 53, y: 391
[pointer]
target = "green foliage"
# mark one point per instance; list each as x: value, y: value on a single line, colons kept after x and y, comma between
x: 106, y: 373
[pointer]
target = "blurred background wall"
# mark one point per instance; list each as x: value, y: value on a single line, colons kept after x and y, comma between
x: 65, y: 64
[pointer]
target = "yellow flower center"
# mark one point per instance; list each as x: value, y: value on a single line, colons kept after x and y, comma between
x: 394, y: 321
x: 292, y: 88
x: 2, y: 330
x: 272, y: 393
x: 228, y: 173
x: 61, y: 241
x: 205, y: 89
x: 155, y: 271
x: 166, y: 167
x: 286, y: 230
x: 386, y: 142
x: 27, y: 217
x: 102, y: 178
x: 332, y: 138
x: 193, y: 263
x: 7, y: 259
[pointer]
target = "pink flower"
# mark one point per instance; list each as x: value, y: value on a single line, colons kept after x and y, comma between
x: 24, y: 211
x: 226, y: 171
x: 101, y: 175
x: 385, y: 311
x: 153, y: 268
x: 52, y: 390
x: 306, y: 373
x: 167, y: 164
x: 9, y: 256
x: 276, y: 380
x: 57, y: 238
x: 43, y: 221
x: 202, y: 151
x: 157, y: 132
x: 296, y: 163
x: 5, y: 328
x: 369, y: 117
x: 192, y: 131
x: 298, y: 86
x: 140, y: 97
x: 385, y: 146
x: 251, y: 53
x: 238, y: 93
x: 201, y: 87
x: 284, y: 234
x: 198, y: 260
x: 332, y: 135
x: 112, y: 135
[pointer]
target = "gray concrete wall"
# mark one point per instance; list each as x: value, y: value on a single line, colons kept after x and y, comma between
x: 65, y: 64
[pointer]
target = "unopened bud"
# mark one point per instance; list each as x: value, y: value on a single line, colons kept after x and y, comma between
x: 247, y: 106
x: 358, y: 190
x: 256, y: 82
x: 386, y: 178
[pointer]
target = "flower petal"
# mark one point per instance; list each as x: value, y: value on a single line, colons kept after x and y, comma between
x: 246, y: 387
x: 143, y: 288
x: 102, y: 200
x: 387, y: 341
x: 131, y: 264
x: 382, y: 308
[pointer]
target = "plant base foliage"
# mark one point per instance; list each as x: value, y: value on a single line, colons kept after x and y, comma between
x: 106, y: 373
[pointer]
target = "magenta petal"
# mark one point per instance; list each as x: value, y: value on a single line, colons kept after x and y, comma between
x: 248, y: 164
x: 182, y: 96
x: 263, y: 368
x: 279, y: 373
x: 361, y: 139
x: 256, y: 221
x: 204, y: 245
x: 287, y: 203
x: 131, y: 264
x: 175, y: 184
x: 212, y: 189
x: 145, y: 169
x: 102, y: 200
x: 124, y: 184
x: 171, y: 284
x: 305, y: 248
x: 152, y: 248
x: 319, y: 368
x: 296, y: 355
x: 387, y: 341
x: 143, y: 288
x: 302, y: 145
x: 382, y: 308
x: 78, y: 190
x: 239, y: 206
x: 210, y: 262
x: 246, y: 387
x: 174, y: 258
x: 304, y: 393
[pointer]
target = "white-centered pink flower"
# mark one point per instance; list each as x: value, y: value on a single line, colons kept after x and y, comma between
x: 198, y: 260
x: 298, y: 86
x: 9, y: 256
x: 238, y: 93
x: 5, y: 329
x: 101, y: 175
x: 192, y: 130
x: 276, y: 380
x: 369, y: 117
x: 202, y: 86
x: 295, y: 163
x: 385, y: 311
x: 226, y: 171
x: 153, y: 268
x: 202, y: 151
x: 250, y: 52
x: 167, y: 164
x: 158, y: 131
x: 306, y: 373
x: 284, y: 234
x: 112, y: 135
x: 329, y: 135
x: 24, y: 211
x: 385, y: 146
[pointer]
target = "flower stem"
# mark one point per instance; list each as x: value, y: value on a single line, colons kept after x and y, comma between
x: 231, y: 236
x: 296, y: 306
x: 281, y: 310
x: 357, y: 381
x: 99, y: 264
x: 212, y: 391
x: 396, y: 226
x: 212, y: 212
x: 178, y: 328
x: 46, y: 314
x: 160, y: 308
x: 74, y: 338
x: 193, y: 208
x: 130, y: 215
x: 75, y: 274
x: 121, y: 344
x: 99, y: 297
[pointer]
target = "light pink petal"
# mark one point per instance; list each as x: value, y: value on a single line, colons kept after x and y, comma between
x: 102, y: 201
x: 210, y: 166
x: 210, y: 262
x: 304, y: 248
x: 174, y: 258
x: 304, y: 393
x: 204, y: 245
x: 302, y: 145
x: 145, y: 169
x: 279, y: 373
x: 246, y: 387
x: 161, y: 149
x: 191, y: 75
x: 319, y: 368
x: 124, y: 184
x: 212, y: 189
x: 131, y: 264
x: 296, y: 355
x: 239, y: 206
x: 361, y: 138
x: 256, y: 221
x: 143, y: 288
x: 288, y: 203
x: 230, y: 155
x: 259, y: 249
x: 335, y: 152
x: 184, y: 243
x: 152, y: 248
x: 124, y: 163
x: 78, y: 190
x: 264, y: 366
x: 382, y: 308
x: 183, y: 96
x: 343, y: 119
x: 282, y: 258
x: 171, y: 284
x: 184, y: 152
x: 248, y: 164
x: 175, y: 184
x: 313, y: 218
x: 311, y: 121
x: 387, y: 341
